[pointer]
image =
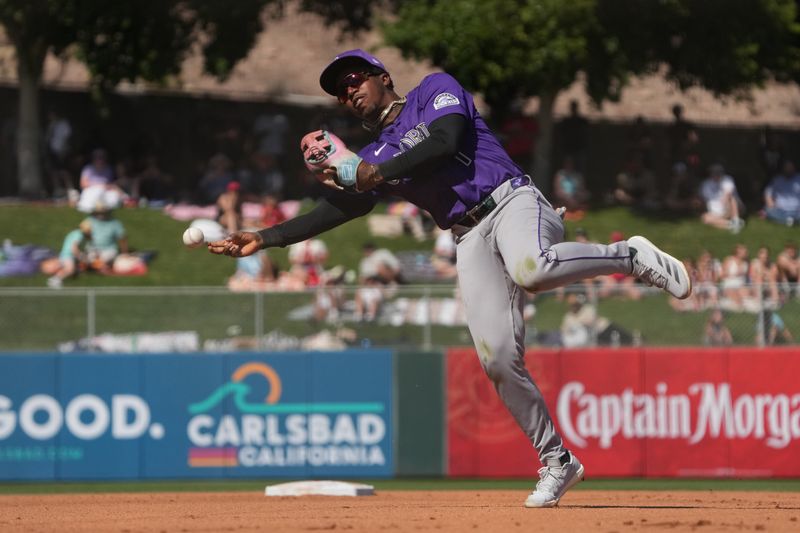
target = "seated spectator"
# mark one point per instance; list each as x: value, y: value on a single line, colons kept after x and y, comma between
x: 216, y: 179
x: 271, y: 213
x: 443, y: 258
x: 788, y: 268
x: 108, y: 239
x: 581, y: 326
x: 254, y: 272
x: 369, y: 298
x: 782, y: 196
x: 716, y: 333
x: 98, y: 171
x: 706, y: 288
x: 330, y: 296
x: 569, y: 189
x: 624, y: 285
x: 636, y: 184
x: 724, y: 208
x: 692, y: 303
x: 379, y: 263
x: 682, y: 195
x: 764, y: 277
x: 307, y: 259
x: 774, y: 328
x: 229, y: 204
x: 733, y: 278
x: 71, y: 255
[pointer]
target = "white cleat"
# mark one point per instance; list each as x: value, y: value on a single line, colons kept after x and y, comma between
x: 554, y: 481
x: 659, y: 269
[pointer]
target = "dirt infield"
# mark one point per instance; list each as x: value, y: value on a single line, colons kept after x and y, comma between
x: 440, y: 511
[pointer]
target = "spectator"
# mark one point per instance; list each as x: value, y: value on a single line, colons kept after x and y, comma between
x: 764, y: 277
x: 108, y: 239
x: 71, y: 256
x: 775, y: 330
x: 330, y: 296
x: 380, y: 264
x: 782, y: 196
x: 271, y: 213
x: 706, y: 289
x: 723, y: 205
x: 581, y: 326
x: 636, y: 184
x: 368, y: 299
x: 254, y: 272
x: 569, y: 190
x: 682, y: 195
x: 443, y: 258
x: 692, y: 303
x: 216, y: 179
x: 733, y: 278
x: 57, y: 138
x: 307, y: 259
x: 618, y: 284
x: 98, y: 171
x: 788, y: 267
x: 716, y: 333
x: 229, y: 204
x: 575, y: 136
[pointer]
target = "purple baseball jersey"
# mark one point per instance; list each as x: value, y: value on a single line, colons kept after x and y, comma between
x: 452, y: 189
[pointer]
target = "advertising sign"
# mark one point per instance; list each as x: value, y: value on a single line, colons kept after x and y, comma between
x: 166, y: 416
x: 659, y: 412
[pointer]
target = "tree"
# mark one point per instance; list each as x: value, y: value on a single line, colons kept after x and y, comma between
x: 507, y: 49
x: 142, y: 40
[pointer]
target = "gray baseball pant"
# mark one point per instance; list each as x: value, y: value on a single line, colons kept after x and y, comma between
x: 519, y: 246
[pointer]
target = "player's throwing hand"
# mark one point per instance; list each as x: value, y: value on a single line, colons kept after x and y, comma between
x: 239, y: 244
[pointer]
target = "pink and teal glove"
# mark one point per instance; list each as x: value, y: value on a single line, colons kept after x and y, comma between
x: 323, y: 150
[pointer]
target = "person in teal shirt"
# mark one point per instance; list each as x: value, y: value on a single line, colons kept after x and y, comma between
x: 72, y: 251
x: 109, y: 239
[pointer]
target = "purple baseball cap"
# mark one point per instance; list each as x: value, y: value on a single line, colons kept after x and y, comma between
x: 327, y: 80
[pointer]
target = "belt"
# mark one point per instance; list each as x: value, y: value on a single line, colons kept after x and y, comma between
x: 487, y: 205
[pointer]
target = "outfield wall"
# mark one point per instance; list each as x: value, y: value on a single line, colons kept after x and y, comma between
x: 625, y: 412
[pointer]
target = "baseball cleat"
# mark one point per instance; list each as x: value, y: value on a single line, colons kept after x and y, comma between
x: 659, y: 269
x: 554, y: 481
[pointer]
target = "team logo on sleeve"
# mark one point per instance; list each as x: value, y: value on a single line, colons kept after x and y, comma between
x: 445, y: 100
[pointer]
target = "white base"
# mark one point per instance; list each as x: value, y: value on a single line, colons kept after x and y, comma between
x: 319, y: 488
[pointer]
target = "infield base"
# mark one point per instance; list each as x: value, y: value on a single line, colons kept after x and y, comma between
x: 319, y: 488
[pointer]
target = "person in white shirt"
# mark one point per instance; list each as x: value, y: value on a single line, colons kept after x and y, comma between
x: 724, y: 208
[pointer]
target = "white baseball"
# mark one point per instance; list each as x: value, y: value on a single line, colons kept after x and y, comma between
x: 193, y: 237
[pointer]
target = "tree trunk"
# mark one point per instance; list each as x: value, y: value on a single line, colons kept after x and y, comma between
x: 544, y: 144
x: 29, y: 135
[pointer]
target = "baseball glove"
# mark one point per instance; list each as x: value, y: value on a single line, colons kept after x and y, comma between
x: 330, y: 160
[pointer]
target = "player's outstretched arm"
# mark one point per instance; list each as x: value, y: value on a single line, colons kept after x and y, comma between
x: 239, y: 244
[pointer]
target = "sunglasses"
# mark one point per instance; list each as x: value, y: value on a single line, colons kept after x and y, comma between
x: 351, y: 81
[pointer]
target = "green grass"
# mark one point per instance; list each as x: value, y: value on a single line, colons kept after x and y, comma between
x: 177, y: 266
x: 782, y: 485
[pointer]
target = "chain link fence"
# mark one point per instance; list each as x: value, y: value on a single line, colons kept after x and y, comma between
x: 337, y: 317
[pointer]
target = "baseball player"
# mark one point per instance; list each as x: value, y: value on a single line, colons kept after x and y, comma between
x: 433, y: 149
